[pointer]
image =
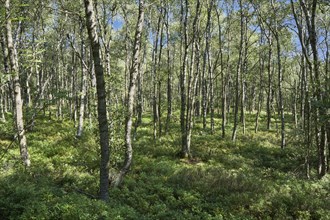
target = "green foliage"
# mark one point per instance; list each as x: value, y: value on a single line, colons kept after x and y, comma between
x: 249, y: 179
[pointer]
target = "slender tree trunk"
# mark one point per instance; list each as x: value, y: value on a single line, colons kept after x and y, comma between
x: 139, y: 107
x: 93, y: 92
x: 75, y: 94
x: 222, y: 73
x: 319, y: 112
x: 294, y: 105
x: 211, y: 80
x: 244, y: 89
x: 154, y: 75
x: 159, y: 75
x: 280, y: 96
x: 2, y: 111
x: 238, y: 73
x: 3, y: 100
x: 307, y: 124
x: 17, y: 90
x: 127, y: 54
x: 327, y: 81
x: 280, y: 80
x: 192, y: 76
x: 101, y: 100
x: 226, y: 84
x: 223, y: 104
x: 10, y: 99
x: 185, y: 150
x: 83, y: 87
x: 260, y: 96
x: 305, y: 86
x: 131, y: 94
x: 72, y: 82
x: 190, y: 84
x: 198, y: 94
x: 302, y: 89
x: 28, y: 90
x: 210, y: 69
x: 270, y: 90
x: 58, y: 85
x: 169, y: 74
x: 206, y: 63
x: 61, y: 73
x: 204, y: 86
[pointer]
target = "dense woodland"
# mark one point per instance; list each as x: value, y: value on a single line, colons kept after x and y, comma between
x: 174, y: 109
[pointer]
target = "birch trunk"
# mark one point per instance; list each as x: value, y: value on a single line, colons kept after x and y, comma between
x: 83, y: 87
x: 238, y: 73
x: 17, y: 90
x: 101, y: 100
x: 131, y: 95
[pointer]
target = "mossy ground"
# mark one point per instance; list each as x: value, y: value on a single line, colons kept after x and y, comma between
x: 249, y: 179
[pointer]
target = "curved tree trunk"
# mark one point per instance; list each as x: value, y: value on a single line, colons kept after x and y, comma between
x: 131, y: 95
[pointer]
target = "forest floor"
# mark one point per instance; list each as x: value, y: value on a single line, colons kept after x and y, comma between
x: 249, y: 179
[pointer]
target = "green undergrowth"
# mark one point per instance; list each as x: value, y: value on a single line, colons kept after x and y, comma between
x: 251, y: 178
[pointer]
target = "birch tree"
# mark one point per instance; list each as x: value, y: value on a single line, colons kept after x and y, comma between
x: 101, y: 99
x: 13, y: 60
